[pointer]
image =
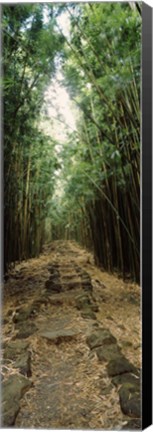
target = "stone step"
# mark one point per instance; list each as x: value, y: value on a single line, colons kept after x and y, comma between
x: 69, y: 285
x: 59, y: 336
x: 69, y: 276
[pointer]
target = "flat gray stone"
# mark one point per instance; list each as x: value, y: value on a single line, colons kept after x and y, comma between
x: 12, y: 391
x: 100, y: 337
x: 59, y: 336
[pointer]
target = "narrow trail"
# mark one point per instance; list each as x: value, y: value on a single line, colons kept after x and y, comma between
x: 72, y: 333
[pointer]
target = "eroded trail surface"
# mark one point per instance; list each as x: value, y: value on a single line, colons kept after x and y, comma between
x: 71, y: 344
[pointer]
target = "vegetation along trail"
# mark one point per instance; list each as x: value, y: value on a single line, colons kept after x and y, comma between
x: 71, y: 298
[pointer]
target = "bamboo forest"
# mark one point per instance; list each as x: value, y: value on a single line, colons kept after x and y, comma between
x: 71, y: 149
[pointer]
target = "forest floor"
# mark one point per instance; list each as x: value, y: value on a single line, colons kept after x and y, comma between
x: 69, y: 331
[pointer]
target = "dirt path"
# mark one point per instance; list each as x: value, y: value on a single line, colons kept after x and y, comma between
x: 55, y: 309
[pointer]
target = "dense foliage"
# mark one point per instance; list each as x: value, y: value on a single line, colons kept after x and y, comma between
x: 100, y: 171
x: 29, y: 50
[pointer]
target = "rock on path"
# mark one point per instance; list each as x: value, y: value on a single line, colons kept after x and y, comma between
x: 12, y: 391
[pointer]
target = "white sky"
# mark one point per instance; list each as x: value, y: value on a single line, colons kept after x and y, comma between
x: 58, y: 119
x: 58, y: 105
x: 64, y: 23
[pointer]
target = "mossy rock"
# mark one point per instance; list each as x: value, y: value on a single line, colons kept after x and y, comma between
x: 83, y: 301
x: 134, y: 424
x: 15, y: 348
x: 130, y: 400
x: 87, y: 286
x: 108, y: 352
x: 86, y: 281
x: 84, y: 274
x: 23, y: 314
x: 23, y: 363
x: 95, y: 308
x: 120, y: 366
x: 53, y: 286
x: 126, y: 378
x: 100, y: 337
x: 88, y: 313
x: 26, y: 330
x: 70, y: 285
x: 95, y: 325
x: 13, y: 390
